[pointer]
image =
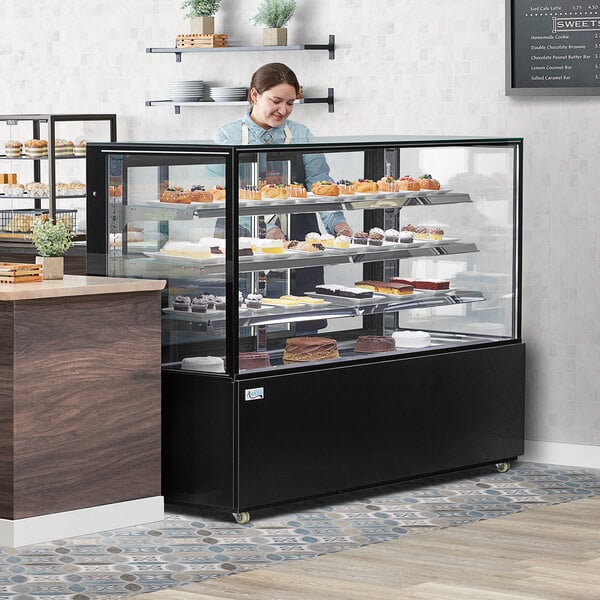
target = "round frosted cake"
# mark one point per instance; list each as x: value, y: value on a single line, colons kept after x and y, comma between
x: 212, y: 364
x: 254, y: 360
x: 305, y: 349
x: 374, y: 343
x: 411, y: 339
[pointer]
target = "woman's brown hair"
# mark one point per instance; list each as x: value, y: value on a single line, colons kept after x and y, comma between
x: 270, y: 75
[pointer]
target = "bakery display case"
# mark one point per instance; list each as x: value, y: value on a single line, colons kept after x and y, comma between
x: 340, y: 313
x: 42, y: 159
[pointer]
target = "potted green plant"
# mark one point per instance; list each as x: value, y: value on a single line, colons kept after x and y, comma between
x: 274, y: 15
x: 52, y: 240
x: 201, y: 15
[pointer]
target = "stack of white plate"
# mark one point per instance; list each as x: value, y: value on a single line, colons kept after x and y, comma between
x: 228, y: 94
x: 186, y: 91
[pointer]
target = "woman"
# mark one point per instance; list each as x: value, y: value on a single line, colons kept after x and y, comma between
x: 273, y: 91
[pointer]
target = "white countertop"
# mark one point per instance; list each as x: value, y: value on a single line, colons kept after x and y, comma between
x: 77, y: 285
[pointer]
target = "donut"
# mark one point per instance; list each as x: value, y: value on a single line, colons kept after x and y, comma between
x: 408, y: 183
x: 325, y: 188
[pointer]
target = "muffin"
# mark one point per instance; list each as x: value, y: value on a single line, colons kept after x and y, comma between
x: 376, y: 236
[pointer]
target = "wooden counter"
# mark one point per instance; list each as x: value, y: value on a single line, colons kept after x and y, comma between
x: 79, y: 406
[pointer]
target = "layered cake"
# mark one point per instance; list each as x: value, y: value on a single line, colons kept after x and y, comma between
x: 210, y: 364
x: 13, y: 149
x: 330, y: 289
x: 306, y: 349
x: 79, y: 148
x: 411, y: 339
x: 36, y: 148
x: 63, y: 147
x: 254, y: 360
x: 423, y: 284
x: 374, y: 343
x: 381, y: 287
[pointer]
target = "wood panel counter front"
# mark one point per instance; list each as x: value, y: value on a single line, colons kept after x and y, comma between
x: 79, y: 401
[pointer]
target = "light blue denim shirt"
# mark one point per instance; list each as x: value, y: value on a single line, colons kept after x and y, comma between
x: 315, y: 165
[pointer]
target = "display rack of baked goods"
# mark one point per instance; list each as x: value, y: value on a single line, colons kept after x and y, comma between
x: 18, y: 223
x: 233, y: 47
x: 330, y: 301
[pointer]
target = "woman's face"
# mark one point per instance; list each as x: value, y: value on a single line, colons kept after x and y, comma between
x: 274, y: 106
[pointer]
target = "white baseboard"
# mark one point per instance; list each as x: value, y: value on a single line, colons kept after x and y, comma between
x: 556, y: 453
x: 45, y: 528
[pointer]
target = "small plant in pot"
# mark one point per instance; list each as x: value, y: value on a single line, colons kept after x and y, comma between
x: 52, y: 240
x: 201, y: 14
x: 274, y: 15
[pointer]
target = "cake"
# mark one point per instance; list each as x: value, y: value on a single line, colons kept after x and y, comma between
x: 341, y: 242
x: 364, y: 186
x: 342, y: 291
x: 394, y: 288
x: 79, y: 148
x: 186, y: 250
x: 305, y: 349
x: 345, y: 186
x: 303, y: 299
x: 199, y: 305
x: 254, y: 360
x: 274, y: 191
x: 36, y: 148
x: 374, y: 343
x: 63, y: 147
x: 376, y: 236
x: 270, y: 246
x: 424, y: 284
x: 411, y: 339
x: 312, y: 238
x: 14, y: 189
x: 296, y: 190
x: 325, y: 188
x: 182, y: 303
x: 435, y: 233
x: 408, y: 183
x: 211, y: 364
x: 13, y: 149
x: 426, y: 182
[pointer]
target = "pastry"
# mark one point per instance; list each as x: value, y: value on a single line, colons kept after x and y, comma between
x: 76, y: 188
x: 210, y: 364
x: 199, y: 305
x: 36, y: 148
x: 325, y: 188
x: 13, y: 149
x: 14, y: 189
x: 375, y: 236
x: 365, y: 186
x: 309, y: 247
x: 115, y: 191
x: 427, y: 183
x: 305, y: 349
x: 435, y: 233
x: 250, y: 192
x: 346, y: 187
x: 182, y: 303
x: 360, y: 237
x: 424, y: 284
x: 210, y: 300
x: 175, y: 196
x: 421, y: 232
x: 281, y: 301
x: 36, y: 189
x: 327, y: 240
x: 254, y: 360
x: 199, y: 194
x: 254, y: 301
x: 274, y: 178
x: 374, y: 343
x: 269, y: 246
x: 63, y: 147
x: 218, y: 193
x: 220, y: 303
x: 387, y: 184
x: 381, y: 287
x: 273, y: 191
x: 313, y: 238
x: 303, y: 299
x: 408, y: 183
x: 186, y: 250
x: 406, y: 237
x: 410, y: 228
x: 79, y: 148
x: 296, y: 190
x: 411, y: 339
x: 343, y: 291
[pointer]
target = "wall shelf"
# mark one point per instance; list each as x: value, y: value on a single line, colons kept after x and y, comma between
x: 330, y: 47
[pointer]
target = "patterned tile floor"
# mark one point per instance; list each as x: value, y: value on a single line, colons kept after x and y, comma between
x: 190, y: 546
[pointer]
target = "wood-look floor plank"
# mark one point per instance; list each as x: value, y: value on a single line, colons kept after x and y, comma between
x: 547, y: 553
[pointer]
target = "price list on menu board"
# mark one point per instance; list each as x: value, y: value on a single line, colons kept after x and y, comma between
x: 554, y: 47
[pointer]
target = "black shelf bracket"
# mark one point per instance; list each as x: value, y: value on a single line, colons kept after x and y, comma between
x: 329, y: 100
x: 330, y: 46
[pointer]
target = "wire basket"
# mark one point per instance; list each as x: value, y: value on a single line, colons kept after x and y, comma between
x: 20, y: 222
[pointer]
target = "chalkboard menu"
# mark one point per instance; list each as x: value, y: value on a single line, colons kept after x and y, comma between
x: 552, y: 47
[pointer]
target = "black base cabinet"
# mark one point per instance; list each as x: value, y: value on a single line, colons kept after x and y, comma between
x: 336, y: 429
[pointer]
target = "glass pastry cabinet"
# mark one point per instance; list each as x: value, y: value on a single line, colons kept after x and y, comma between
x: 340, y: 313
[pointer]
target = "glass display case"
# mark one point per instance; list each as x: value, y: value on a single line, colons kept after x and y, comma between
x: 339, y: 313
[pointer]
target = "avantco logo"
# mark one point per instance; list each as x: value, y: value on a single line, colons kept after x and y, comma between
x: 255, y: 394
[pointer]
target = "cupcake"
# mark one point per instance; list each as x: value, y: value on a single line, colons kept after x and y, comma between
x: 391, y: 235
x: 376, y: 236
x: 182, y: 303
x: 210, y: 300
x: 254, y: 300
x: 406, y: 237
x: 220, y: 303
x: 199, y: 305
x: 327, y: 240
x: 360, y: 237
x: 341, y: 241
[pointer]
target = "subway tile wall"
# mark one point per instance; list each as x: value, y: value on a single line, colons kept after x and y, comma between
x: 409, y: 67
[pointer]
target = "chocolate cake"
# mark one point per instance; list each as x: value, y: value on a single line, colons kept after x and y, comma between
x: 254, y: 360
x: 374, y: 343
x: 305, y: 349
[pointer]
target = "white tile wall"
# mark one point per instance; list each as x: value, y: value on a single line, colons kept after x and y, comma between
x: 402, y: 66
